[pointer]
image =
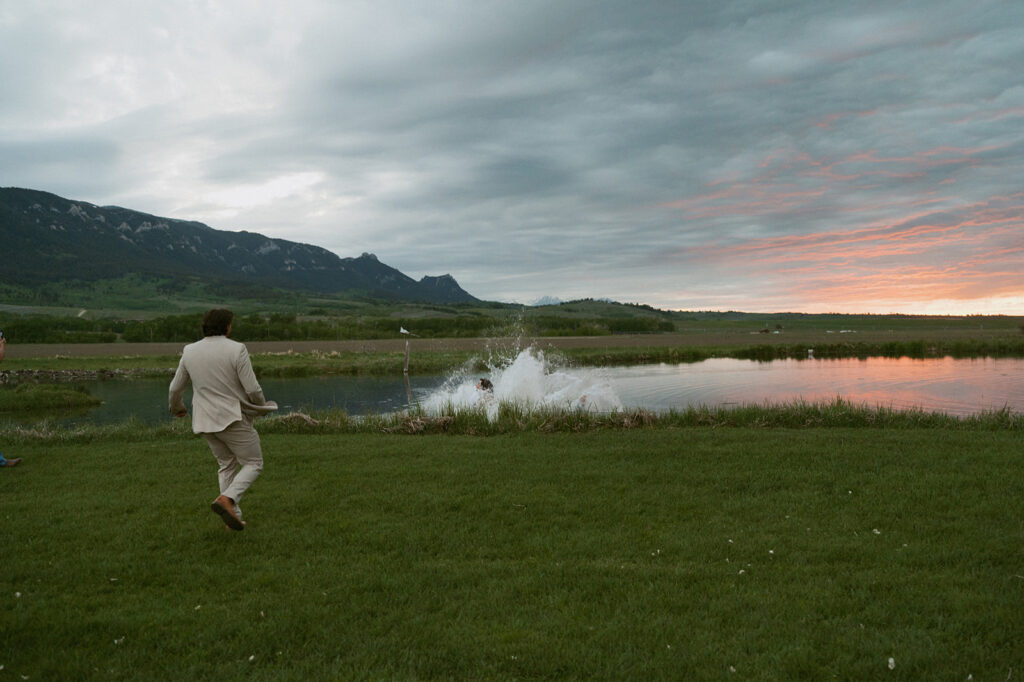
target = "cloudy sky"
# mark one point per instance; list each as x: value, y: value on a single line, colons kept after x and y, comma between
x: 758, y: 155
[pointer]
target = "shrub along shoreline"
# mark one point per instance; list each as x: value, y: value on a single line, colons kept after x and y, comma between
x: 513, y: 419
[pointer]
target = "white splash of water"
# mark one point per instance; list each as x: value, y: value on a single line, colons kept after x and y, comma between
x: 529, y: 381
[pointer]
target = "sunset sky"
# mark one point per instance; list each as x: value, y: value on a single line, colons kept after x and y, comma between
x: 786, y: 155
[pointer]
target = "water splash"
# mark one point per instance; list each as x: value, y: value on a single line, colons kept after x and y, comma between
x: 528, y: 380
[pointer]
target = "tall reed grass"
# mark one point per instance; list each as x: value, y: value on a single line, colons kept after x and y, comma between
x: 515, y: 418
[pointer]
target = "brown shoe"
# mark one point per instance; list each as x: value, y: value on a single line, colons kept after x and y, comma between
x: 13, y: 462
x: 224, y: 506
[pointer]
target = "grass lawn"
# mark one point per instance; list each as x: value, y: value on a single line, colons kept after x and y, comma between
x: 647, y: 554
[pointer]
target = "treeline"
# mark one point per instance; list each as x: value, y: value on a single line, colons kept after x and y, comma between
x: 290, y: 327
x: 554, y: 325
x: 33, y: 329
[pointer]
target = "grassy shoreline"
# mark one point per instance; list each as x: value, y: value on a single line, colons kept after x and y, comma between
x: 512, y: 420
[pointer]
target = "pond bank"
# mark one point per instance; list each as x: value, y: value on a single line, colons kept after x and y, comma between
x: 55, y: 376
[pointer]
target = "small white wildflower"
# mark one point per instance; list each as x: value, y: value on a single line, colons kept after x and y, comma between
x: 892, y: 663
x: 252, y: 658
x: 730, y: 542
x: 262, y: 615
x: 198, y: 606
x: 113, y: 580
x: 17, y: 595
x: 741, y: 572
x: 119, y: 641
x: 876, y: 531
x: 771, y: 551
x: 732, y: 669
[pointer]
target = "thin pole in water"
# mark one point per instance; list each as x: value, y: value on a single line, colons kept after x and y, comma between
x: 405, y: 369
x: 403, y: 330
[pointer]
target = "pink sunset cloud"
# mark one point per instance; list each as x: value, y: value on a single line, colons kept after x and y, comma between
x: 970, y: 253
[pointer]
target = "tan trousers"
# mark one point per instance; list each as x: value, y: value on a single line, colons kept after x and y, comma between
x: 237, y: 449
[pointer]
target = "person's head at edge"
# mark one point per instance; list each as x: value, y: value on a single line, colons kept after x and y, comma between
x: 485, y: 385
x: 217, y: 322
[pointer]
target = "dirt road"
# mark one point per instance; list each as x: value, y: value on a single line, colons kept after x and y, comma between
x: 708, y: 339
x: 35, y: 350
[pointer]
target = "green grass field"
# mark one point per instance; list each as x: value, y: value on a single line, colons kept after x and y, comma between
x: 643, y: 554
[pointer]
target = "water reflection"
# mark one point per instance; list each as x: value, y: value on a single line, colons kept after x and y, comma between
x: 146, y: 399
x: 955, y: 386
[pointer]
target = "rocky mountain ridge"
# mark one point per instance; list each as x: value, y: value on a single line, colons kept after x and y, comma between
x: 48, y: 238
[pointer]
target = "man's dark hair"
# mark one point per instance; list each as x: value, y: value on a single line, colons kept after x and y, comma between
x: 216, y: 321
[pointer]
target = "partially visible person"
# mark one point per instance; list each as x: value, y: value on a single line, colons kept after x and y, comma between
x: 225, y: 399
x: 14, y: 461
x: 486, y: 389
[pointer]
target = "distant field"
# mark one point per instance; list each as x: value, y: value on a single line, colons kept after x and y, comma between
x: 710, y: 338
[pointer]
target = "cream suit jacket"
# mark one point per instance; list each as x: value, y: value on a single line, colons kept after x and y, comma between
x: 224, y: 386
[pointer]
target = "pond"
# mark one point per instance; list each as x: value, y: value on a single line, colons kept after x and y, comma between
x: 955, y: 386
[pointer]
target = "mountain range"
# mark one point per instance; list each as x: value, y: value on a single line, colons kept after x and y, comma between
x: 47, y: 238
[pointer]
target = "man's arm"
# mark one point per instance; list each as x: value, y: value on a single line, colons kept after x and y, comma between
x: 176, y: 394
x: 248, y: 378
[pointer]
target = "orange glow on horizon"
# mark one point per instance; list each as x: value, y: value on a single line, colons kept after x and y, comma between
x: 959, y: 262
x: 1012, y: 306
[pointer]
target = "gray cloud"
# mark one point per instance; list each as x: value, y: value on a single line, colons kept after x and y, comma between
x: 679, y: 154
